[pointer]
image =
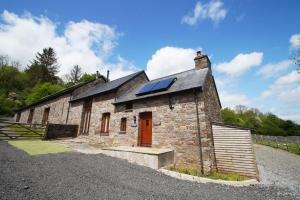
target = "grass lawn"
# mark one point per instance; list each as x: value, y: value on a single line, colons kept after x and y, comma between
x: 213, y: 174
x: 290, y: 147
x: 32, y: 144
x: 37, y: 147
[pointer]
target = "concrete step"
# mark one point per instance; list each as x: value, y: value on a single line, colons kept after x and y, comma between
x: 146, y: 156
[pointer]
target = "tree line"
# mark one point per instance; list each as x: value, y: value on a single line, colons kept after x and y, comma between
x: 40, y: 78
x: 263, y: 123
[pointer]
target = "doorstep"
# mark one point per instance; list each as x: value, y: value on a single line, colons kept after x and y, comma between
x: 154, y: 158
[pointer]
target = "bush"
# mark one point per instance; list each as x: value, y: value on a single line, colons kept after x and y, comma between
x: 42, y: 90
x: 264, y: 124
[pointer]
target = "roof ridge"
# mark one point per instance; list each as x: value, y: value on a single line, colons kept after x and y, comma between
x: 172, y: 74
x: 127, y: 75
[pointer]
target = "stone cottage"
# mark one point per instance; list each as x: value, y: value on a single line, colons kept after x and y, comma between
x: 173, y: 112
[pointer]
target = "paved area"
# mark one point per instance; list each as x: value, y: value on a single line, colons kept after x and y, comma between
x: 81, y: 176
x: 278, y: 167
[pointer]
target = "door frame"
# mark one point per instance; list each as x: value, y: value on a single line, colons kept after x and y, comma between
x: 85, y: 119
x: 139, y: 129
x: 45, y: 116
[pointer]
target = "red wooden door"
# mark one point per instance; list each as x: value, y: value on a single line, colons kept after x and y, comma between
x: 146, y: 129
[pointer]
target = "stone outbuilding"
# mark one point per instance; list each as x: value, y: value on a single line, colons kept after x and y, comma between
x: 172, y: 112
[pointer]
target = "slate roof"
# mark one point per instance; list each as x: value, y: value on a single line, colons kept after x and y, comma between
x: 105, y: 87
x: 186, y: 80
x: 55, y: 95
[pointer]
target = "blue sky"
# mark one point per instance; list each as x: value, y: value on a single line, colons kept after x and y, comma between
x: 249, y: 42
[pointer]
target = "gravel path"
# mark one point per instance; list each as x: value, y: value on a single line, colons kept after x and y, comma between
x: 79, y: 176
x: 278, y: 167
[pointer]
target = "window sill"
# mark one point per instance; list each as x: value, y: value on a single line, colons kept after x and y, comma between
x: 104, y: 134
x: 128, y: 110
x: 122, y: 132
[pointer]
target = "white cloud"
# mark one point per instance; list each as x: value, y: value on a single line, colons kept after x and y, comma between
x: 85, y: 43
x: 233, y: 99
x: 295, y: 41
x: 286, y: 88
x: 214, y: 10
x: 274, y: 69
x: 293, y: 117
x: 240, y: 63
x: 170, y: 60
x: 292, y: 95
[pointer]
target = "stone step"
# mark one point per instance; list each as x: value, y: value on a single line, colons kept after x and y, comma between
x: 145, y: 156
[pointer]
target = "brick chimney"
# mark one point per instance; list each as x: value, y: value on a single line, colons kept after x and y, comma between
x: 202, y: 61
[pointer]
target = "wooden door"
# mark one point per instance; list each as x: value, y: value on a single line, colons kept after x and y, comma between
x: 30, y: 117
x: 45, y: 116
x: 86, y: 117
x: 18, y: 117
x: 146, y: 129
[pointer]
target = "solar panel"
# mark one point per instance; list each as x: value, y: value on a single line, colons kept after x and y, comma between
x: 156, y: 86
x: 163, y: 85
x: 147, y: 88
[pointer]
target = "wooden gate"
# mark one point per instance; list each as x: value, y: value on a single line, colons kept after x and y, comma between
x: 234, y: 150
x: 10, y: 130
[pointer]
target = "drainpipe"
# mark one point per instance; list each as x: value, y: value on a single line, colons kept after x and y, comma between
x: 69, y: 108
x: 198, y: 130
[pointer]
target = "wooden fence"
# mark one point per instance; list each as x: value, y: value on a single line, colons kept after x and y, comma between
x: 234, y: 150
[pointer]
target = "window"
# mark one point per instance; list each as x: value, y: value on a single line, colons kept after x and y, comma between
x: 105, y: 124
x: 123, y: 124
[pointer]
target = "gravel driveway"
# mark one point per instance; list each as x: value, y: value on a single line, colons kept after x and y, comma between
x: 80, y: 176
x: 278, y: 167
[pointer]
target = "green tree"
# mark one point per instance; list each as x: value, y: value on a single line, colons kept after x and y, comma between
x: 265, y: 124
x: 230, y: 117
x: 44, y: 67
x: 11, y: 79
x: 13, y: 83
x: 41, y: 90
x: 87, y: 77
x: 74, y: 76
x: 268, y: 127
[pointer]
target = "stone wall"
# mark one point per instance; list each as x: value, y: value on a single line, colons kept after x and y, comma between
x: 292, y: 139
x: 132, y: 84
x: 212, y: 110
x: 172, y: 128
x: 212, y: 104
x: 58, y: 111
x: 75, y: 113
x: 53, y: 131
x: 24, y: 116
x: 88, y: 86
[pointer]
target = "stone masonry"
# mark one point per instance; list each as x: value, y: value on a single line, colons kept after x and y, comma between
x: 174, y: 118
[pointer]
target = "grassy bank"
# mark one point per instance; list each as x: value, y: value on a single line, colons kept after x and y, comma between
x: 213, y: 174
x: 290, y: 147
x: 32, y: 142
